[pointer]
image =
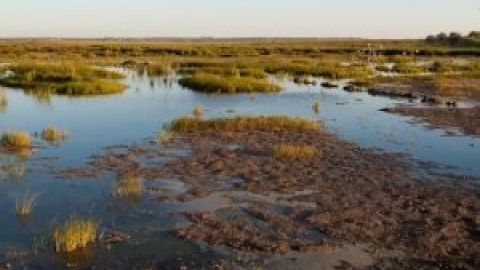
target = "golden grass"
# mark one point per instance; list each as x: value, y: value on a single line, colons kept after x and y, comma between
x: 212, y: 83
x: 295, y: 152
x: 16, y: 139
x: 128, y: 186
x: 244, y: 123
x: 52, y: 134
x: 74, y: 233
x: 25, y: 206
x: 164, y: 137
x: 457, y: 86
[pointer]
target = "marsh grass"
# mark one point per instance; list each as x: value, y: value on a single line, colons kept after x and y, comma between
x: 128, y: 186
x: 54, y: 135
x: 64, y: 79
x: 294, y: 152
x: 211, y: 83
x: 16, y: 139
x: 24, y: 207
x: 164, y: 137
x: 74, y: 233
x: 243, y: 123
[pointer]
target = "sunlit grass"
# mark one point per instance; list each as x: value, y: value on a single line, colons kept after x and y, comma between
x: 128, y: 186
x: 24, y: 207
x: 295, y: 152
x: 16, y: 139
x: 63, y: 79
x: 3, y: 100
x: 74, y: 233
x: 52, y: 134
x: 164, y: 137
x: 211, y: 83
x: 244, y: 123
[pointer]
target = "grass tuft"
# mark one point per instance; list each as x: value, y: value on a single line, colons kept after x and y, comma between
x: 26, y: 205
x: 16, y: 139
x: 52, y: 134
x: 128, y: 186
x: 74, y: 233
x: 316, y: 107
x: 243, y: 123
x: 294, y: 152
x: 198, y: 111
x: 164, y: 137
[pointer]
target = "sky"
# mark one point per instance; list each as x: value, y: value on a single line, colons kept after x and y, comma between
x: 237, y: 18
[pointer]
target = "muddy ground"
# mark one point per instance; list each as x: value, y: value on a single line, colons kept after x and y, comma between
x: 244, y: 200
x: 467, y: 120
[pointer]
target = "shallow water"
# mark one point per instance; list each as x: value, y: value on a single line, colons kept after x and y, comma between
x: 140, y: 112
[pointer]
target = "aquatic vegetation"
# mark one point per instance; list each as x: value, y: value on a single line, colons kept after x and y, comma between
x: 52, y: 134
x: 3, y: 100
x: 16, y: 139
x: 128, y: 186
x: 243, y: 123
x: 211, y: 83
x: 74, y: 233
x: 316, y: 107
x: 409, y: 68
x: 295, y: 152
x: 164, y: 137
x: 158, y: 69
x: 63, y: 79
x: 25, y: 206
x: 198, y: 111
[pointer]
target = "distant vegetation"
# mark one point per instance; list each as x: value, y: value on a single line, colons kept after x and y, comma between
x: 455, y: 39
x: 211, y: 83
x: 52, y: 134
x: 244, y: 123
x: 63, y: 79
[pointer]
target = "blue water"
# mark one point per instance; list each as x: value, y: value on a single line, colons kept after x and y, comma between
x: 141, y: 111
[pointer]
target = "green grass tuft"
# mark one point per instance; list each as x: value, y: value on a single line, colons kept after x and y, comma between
x: 74, y: 233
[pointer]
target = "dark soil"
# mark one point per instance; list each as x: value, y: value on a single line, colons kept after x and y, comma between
x: 465, y: 119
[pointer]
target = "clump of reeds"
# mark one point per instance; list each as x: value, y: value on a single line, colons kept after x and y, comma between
x: 244, y: 123
x: 74, y: 233
x: 24, y: 207
x: 128, y: 186
x: 164, y: 137
x: 211, y: 83
x: 52, y: 134
x: 16, y: 139
x: 295, y: 152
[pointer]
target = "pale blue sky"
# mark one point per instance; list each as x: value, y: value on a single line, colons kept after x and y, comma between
x: 237, y: 18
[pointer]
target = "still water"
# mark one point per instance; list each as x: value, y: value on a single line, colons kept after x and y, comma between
x: 141, y: 111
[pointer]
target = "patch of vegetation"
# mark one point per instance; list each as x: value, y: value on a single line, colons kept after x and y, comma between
x: 164, y: 137
x: 316, y: 107
x: 244, y: 123
x: 63, y: 79
x: 455, y: 39
x: 16, y: 139
x: 26, y: 205
x: 211, y: 83
x: 294, y: 152
x: 53, y: 135
x: 74, y: 233
x: 128, y: 186
x: 409, y: 68
x: 3, y: 100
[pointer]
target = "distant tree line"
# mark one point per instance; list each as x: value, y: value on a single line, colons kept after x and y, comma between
x: 455, y: 39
